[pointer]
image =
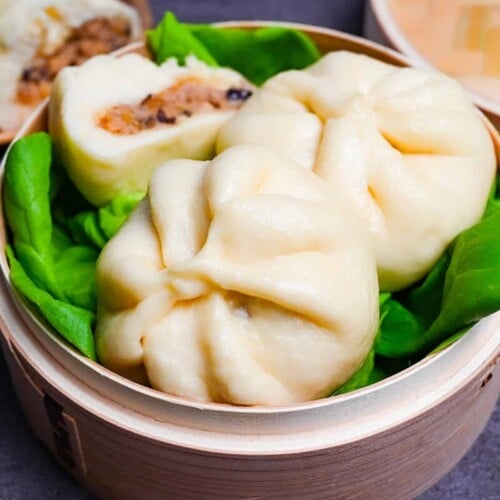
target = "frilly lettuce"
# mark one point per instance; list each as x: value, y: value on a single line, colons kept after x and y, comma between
x: 53, y: 262
x: 256, y: 54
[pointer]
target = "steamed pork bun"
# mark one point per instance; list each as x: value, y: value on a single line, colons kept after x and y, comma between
x: 39, y: 37
x: 402, y: 146
x: 238, y: 280
x: 114, y: 120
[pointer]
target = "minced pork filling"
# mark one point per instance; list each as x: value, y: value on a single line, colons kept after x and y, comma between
x: 100, y: 35
x: 171, y: 106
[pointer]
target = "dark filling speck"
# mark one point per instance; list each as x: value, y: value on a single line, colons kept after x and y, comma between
x: 238, y: 94
x: 146, y: 99
x: 163, y: 118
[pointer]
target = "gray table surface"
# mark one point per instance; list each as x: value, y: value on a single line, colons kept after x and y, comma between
x: 27, y: 470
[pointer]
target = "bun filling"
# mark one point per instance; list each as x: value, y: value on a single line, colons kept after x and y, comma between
x: 171, y: 106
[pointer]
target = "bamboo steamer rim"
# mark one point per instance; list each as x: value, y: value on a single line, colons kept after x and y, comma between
x: 168, y: 414
x: 347, y: 420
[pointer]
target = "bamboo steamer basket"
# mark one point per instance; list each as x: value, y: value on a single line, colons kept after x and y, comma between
x: 122, y: 441
x: 381, y: 26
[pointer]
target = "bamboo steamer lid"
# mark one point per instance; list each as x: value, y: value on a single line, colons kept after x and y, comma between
x: 121, y: 440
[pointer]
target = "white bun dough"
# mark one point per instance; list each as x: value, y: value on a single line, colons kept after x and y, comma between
x: 240, y: 280
x: 31, y: 26
x: 103, y: 164
x: 403, y: 146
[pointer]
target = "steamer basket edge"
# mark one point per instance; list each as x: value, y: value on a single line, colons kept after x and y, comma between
x: 468, y: 391
x: 99, y: 428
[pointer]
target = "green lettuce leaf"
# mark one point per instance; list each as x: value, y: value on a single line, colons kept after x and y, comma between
x: 406, y: 316
x: 462, y: 288
x: 261, y: 53
x: 450, y: 340
x: 46, y: 266
x: 73, y: 323
x: 97, y: 227
x: 75, y: 269
x: 173, y: 39
x: 472, y: 284
x: 53, y: 264
x: 27, y: 207
x: 398, y: 325
x: 361, y: 378
x: 256, y: 54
